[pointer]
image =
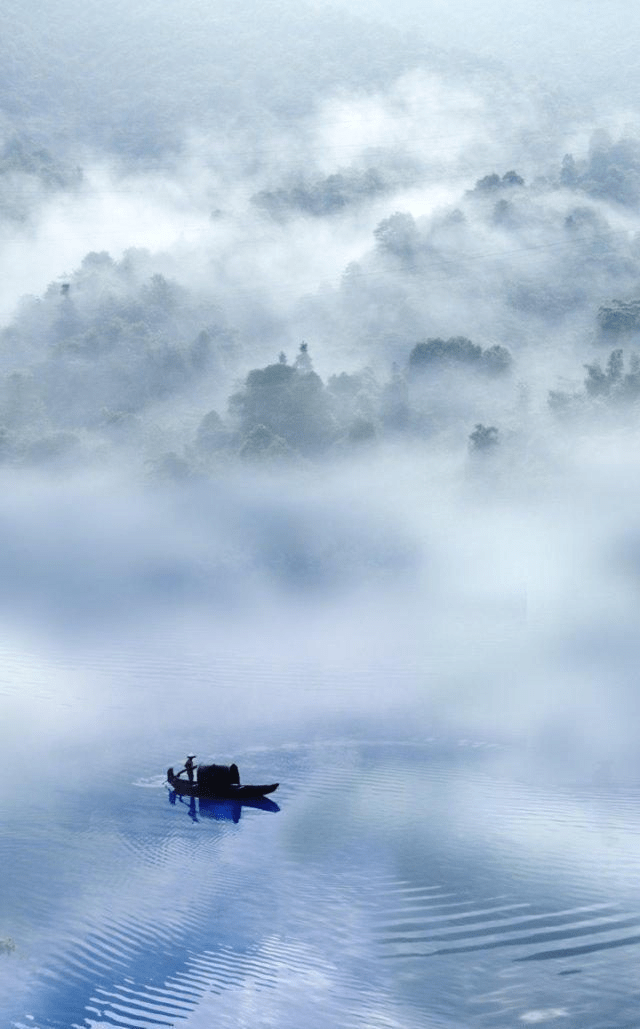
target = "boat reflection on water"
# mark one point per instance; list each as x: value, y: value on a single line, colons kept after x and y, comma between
x: 220, y: 809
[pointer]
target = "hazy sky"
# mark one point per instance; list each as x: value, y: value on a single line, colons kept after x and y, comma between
x: 580, y: 45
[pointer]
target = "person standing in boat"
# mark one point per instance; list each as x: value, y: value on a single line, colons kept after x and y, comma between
x: 188, y: 767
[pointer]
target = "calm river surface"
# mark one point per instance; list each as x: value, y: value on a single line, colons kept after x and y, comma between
x: 407, y: 880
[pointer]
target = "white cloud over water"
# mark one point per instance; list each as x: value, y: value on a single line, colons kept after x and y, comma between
x: 408, y: 196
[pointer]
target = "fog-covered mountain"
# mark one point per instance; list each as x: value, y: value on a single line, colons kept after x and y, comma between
x: 360, y: 294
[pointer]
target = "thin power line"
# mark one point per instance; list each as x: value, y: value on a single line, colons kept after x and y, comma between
x: 438, y: 264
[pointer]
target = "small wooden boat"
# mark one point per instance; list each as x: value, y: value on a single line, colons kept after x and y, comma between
x: 218, y: 781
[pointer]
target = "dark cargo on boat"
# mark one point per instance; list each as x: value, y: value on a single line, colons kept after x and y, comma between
x: 213, y: 780
x: 211, y: 777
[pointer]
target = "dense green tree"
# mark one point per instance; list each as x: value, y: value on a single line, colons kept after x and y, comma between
x: 329, y: 195
x: 398, y: 235
x: 212, y: 434
x: 262, y: 444
x: 170, y: 467
x: 493, y: 183
x: 459, y: 350
x: 484, y: 437
x: 361, y: 431
x: 611, y: 170
x: 289, y: 400
x: 612, y: 386
x: 394, y: 402
x: 619, y: 317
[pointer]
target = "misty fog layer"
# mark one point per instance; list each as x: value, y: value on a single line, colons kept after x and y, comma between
x: 309, y: 321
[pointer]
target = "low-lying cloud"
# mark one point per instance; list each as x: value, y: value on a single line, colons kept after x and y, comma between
x: 355, y: 352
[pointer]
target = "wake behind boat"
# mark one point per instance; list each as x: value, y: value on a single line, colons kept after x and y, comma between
x: 212, y: 780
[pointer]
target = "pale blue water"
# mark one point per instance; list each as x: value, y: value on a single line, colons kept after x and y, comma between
x: 406, y: 881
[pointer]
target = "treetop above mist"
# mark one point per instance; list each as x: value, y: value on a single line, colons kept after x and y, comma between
x: 28, y: 173
x: 611, y: 170
x: 100, y: 359
x: 113, y: 338
x: 615, y: 387
x: 494, y: 183
x: 459, y: 350
x: 327, y: 195
x: 619, y: 317
x: 447, y: 289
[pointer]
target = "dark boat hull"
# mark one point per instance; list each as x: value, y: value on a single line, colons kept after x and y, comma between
x: 241, y: 793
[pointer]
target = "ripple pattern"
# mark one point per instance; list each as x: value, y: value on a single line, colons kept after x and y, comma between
x: 429, y: 923
x: 374, y: 889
